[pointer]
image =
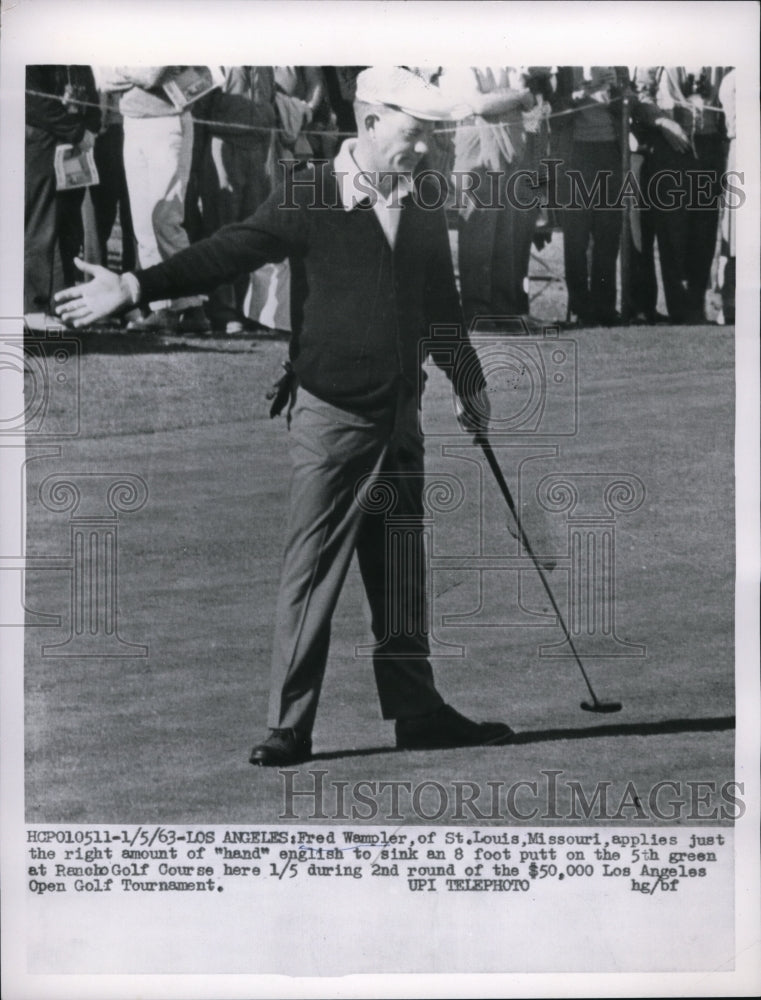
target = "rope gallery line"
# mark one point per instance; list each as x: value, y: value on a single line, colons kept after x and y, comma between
x: 244, y: 127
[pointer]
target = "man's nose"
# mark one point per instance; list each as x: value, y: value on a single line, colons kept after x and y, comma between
x: 421, y: 147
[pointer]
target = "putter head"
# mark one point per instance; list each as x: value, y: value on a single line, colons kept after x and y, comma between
x: 601, y: 706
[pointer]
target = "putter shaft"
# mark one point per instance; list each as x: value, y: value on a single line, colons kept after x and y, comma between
x: 491, y: 458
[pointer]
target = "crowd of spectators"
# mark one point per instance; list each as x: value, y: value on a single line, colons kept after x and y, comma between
x: 546, y: 149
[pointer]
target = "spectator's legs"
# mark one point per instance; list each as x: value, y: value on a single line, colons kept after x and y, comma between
x: 669, y: 194
x: 728, y: 291
x: 477, y: 240
x: 71, y: 232
x: 606, y: 233
x: 643, y: 283
x: 111, y: 194
x: 157, y: 159
x: 246, y: 167
x: 129, y: 241
x: 592, y: 290
x: 672, y: 230
x: 222, y: 202
x: 606, y: 239
x: 515, y: 229
x: 728, y: 248
x: 703, y: 223
x: 495, y: 247
x: 39, y: 220
x: 577, y: 229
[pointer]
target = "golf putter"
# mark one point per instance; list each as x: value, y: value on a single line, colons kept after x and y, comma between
x: 595, y: 705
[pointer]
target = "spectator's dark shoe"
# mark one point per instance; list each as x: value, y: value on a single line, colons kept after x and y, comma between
x: 690, y: 317
x: 282, y: 747
x: 608, y: 319
x: 648, y: 317
x: 657, y: 319
x: 193, y: 320
x: 160, y: 321
x: 226, y: 322
x: 447, y: 728
x: 580, y: 322
x: 697, y: 317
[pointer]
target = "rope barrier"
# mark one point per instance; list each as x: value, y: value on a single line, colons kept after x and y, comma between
x: 244, y: 127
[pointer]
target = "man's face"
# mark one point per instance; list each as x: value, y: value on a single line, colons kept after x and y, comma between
x: 399, y: 141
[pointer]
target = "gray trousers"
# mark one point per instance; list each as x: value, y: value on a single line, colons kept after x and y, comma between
x: 349, y: 473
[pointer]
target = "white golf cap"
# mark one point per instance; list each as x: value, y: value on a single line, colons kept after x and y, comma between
x: 400, y: 88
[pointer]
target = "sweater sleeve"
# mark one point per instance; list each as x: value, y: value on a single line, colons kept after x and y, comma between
x: 270, y: 235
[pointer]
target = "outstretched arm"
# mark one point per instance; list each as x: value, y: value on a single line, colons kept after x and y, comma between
x: 462, y: 85
x: 271, y: 234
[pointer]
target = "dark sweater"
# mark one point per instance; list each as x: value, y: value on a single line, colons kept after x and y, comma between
x: 359, y: 309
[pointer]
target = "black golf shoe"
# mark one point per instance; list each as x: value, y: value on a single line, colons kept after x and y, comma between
x: 282, y: 747
x: 447, y: 728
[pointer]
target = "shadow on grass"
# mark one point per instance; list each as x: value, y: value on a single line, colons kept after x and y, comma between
x: 710, y: 724
x: 115, y: 341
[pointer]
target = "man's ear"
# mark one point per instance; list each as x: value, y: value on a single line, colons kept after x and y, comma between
x: 370, y: 120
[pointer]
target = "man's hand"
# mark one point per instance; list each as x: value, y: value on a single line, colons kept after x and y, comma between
x: 87, y: 142
x: 473, y: 412
x: 674, y: 134
x: 82, y: 305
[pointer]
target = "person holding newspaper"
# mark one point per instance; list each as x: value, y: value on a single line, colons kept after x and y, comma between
x: 62, y: 117
x: 372, y: 285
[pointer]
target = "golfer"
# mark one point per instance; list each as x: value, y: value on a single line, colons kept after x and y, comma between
x: 372, y: 275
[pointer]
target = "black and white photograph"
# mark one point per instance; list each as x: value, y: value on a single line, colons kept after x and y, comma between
x: 380, y: 489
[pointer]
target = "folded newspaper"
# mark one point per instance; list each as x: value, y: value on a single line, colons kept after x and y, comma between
x: 74, y: 168
x: 190, y: 83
